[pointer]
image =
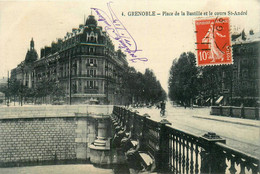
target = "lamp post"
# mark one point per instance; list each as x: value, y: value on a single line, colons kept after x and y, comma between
x: 8, y: 92
x: 70, y: 79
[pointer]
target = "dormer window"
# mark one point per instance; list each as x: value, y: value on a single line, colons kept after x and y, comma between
x: 92, y: 37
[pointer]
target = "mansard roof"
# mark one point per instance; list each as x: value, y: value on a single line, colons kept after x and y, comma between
x: 248, y: 38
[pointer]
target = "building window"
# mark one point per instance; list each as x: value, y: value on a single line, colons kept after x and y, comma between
x: 91, y: 72
x: 255, y: 62
x: 92, y: 39
x: 244, y: 84
x: 235, y: 65
x: 75, y: 68
x: 235, y: 75
x: 245, y: 74
x: 74, y: 88
x: 255, y: 74
x: 235, y: 50
x: 91, y: 84
x: 91, y: 62
x: 91, y: 50
x: 244, y: 61
x: 251, y: 50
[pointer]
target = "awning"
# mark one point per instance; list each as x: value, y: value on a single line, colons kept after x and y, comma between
x: 219, y: 99
x: 207, y: 99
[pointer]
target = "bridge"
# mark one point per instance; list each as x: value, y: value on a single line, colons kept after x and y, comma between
x: 167, y: 149
x: 114, y: 135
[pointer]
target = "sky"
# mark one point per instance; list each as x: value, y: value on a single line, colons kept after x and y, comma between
x: 161, y: 38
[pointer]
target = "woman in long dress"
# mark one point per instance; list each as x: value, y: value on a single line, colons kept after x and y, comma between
x: 215, y: 52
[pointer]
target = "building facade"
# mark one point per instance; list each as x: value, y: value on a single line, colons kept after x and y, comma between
x: 84, y: 64
x: 245, y: 72
x: 236, y: 84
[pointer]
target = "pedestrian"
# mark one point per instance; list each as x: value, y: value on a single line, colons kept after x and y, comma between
x: 242, y: 111
x: 162, y: 108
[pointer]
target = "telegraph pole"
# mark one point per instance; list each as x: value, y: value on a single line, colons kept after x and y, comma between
x: 8, y: 98
x: 107, y: 81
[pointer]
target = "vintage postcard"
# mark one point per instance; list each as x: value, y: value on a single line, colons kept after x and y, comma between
x: 115, y: 86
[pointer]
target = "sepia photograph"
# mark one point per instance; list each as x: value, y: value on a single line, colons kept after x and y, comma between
x: 129, y: 87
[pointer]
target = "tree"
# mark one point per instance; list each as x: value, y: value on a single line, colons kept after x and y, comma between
x: 152, y: 88
x: 46, y: 88
x: 183, y: 80
x: 57, y: 92
x: 144, y: 88
x: 14, y: 86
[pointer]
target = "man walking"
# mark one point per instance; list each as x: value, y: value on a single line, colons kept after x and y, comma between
x: 162, y: 108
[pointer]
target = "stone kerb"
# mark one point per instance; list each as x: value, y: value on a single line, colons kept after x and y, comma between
x: 244, y: 112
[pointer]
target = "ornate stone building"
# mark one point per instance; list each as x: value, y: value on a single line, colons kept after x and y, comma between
x: 24, y: 72
x: 84, y: 63
x: 237, y: 84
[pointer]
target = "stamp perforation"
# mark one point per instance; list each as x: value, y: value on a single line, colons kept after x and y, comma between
x: 213, y: 41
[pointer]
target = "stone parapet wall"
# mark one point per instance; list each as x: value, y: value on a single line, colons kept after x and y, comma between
x: 34, y: 111
x: 48, y: 133
x: 243, y: 112
x: 37, y: 139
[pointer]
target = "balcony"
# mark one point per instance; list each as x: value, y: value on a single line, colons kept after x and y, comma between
x: 91, y: 65
x: 91, y: 87
x: 91, y: 90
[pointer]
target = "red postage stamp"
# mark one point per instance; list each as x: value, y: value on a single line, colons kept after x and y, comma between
x: 213, y: 42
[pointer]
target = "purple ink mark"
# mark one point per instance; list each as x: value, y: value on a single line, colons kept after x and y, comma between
x: 116, y: 30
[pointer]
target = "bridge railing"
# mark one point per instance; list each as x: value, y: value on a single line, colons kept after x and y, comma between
x: 178, y: 151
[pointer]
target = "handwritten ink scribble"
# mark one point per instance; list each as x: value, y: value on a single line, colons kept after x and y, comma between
x: 117, y: 31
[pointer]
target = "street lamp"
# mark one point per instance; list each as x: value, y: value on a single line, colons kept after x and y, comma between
x: 8, y: 92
